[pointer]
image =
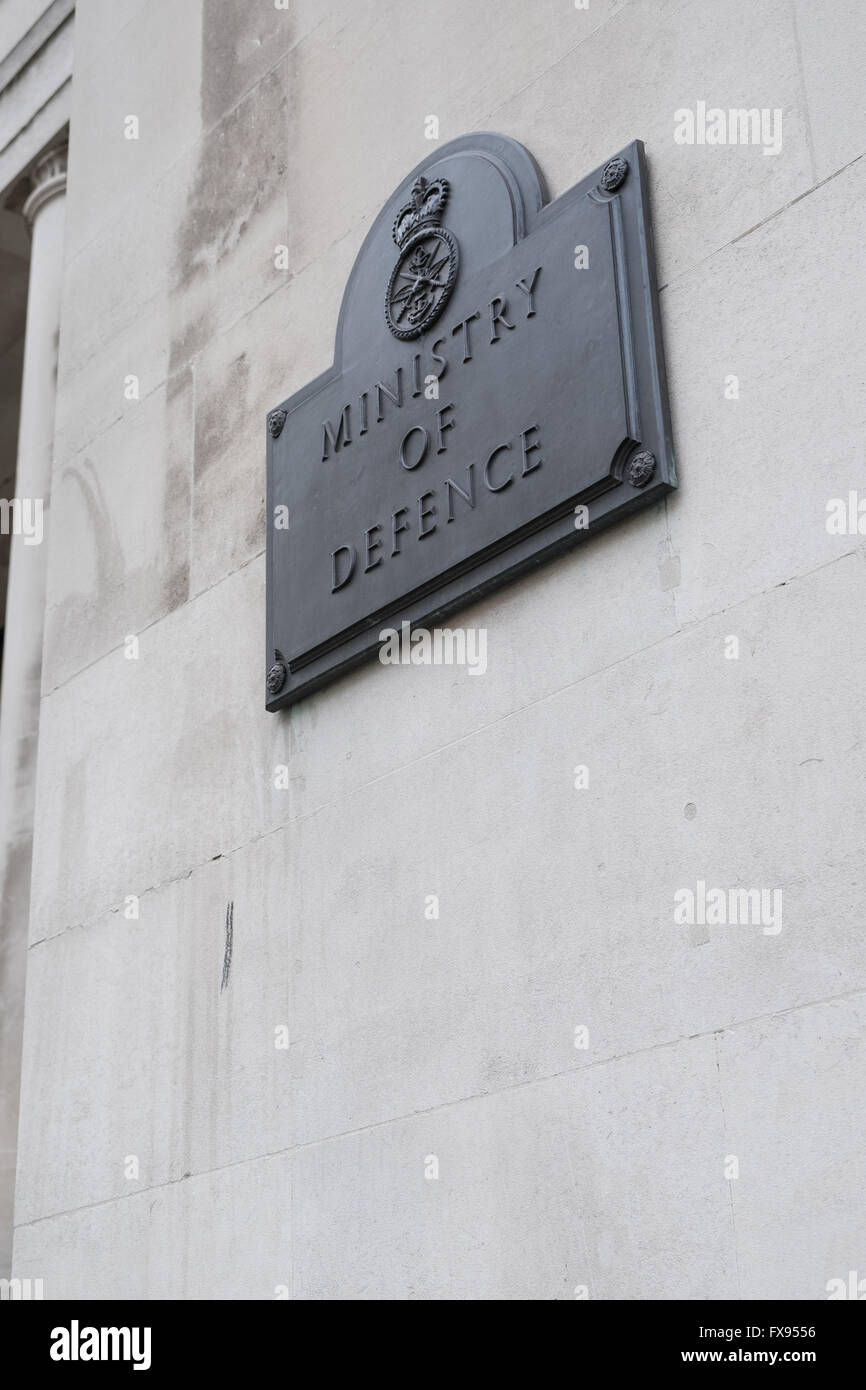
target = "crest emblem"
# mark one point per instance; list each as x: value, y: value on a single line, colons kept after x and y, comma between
x: 421, y: 281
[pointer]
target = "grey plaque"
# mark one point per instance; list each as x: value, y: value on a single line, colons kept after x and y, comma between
x: 497, y: 395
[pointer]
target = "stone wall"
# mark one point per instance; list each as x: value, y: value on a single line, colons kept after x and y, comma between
x: 306, y: 1169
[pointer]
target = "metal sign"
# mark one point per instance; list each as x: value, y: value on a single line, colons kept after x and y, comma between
x: 497, y: 395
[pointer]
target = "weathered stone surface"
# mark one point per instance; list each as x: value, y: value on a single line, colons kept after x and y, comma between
x: 635, y: 74
x: 215, y: 216
x: 830, y: 42
x: 386, y: 1007
x: 330, y: 828
x: 135, y: 62
x: 753, y: 507
x: 542, y: 1190
x: 223, y: 1235
x: 119, y: 558
x: 792, y: 1098
x: 191, y: 990
x: 135, y: 788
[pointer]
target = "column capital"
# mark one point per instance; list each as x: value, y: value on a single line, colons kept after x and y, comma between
x: 48, y: 179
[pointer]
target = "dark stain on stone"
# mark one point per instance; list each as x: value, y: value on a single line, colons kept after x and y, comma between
x: 241, y: 168
x: 190, y: 338
x: 240, y: 44
x: 255, y: 535
x: 239, y: 174
x: 120, y: 588
x: 222, y: 414
x: 177, y: 495
x: 227, y: 955
x: 109, y: 552
x: 14, y: 917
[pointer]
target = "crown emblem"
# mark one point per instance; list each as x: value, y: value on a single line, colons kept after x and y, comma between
x: 423, y: 278
x: 425, y: 209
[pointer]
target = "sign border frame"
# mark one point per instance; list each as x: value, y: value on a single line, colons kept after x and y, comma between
x: 647, y: 413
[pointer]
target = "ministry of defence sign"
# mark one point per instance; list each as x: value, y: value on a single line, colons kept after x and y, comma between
x: 497, y: 395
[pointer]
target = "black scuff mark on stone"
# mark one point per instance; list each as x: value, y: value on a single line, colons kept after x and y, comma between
x: 227, y: 956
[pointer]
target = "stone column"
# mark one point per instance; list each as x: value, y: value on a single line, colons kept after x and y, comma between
x: 22, y: 649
